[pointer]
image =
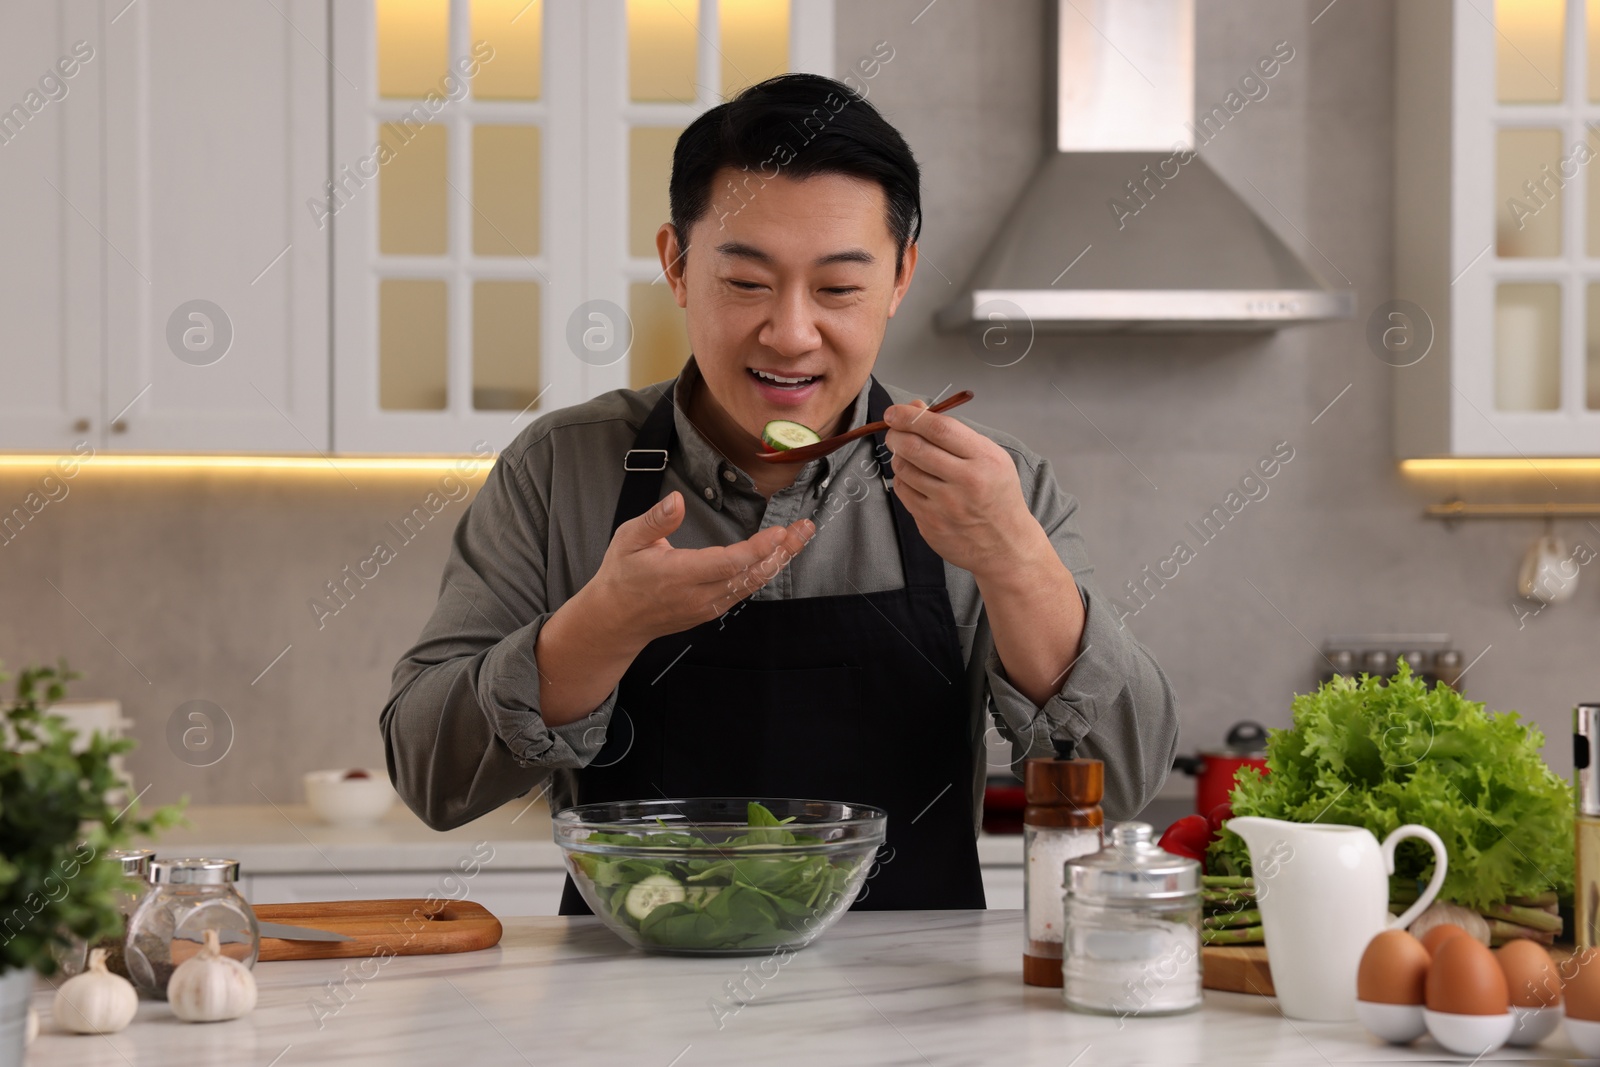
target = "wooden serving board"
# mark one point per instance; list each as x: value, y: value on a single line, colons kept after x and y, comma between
x: 381, y: 927
x: 1233, y: 969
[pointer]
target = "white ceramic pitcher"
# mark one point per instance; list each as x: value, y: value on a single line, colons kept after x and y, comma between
x: 1323, y: 891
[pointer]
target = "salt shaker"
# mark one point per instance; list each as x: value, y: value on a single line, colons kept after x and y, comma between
x: 187, y: 898
x: 1132, y: 943
x: 1062, y: 820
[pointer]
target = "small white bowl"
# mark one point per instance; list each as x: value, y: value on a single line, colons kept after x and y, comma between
x: 1533, y: 1025
x: 1398, y: 1024
x: 1469, y: 1035
x: 1584, y: 1035
x: 349, y: 801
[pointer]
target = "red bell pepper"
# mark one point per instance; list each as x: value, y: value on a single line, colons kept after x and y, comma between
x: 1188, y: 837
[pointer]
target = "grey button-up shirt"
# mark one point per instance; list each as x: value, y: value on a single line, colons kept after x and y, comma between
x: 462, y: 726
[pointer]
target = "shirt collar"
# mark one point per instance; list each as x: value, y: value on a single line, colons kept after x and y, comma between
x: 706, y: 465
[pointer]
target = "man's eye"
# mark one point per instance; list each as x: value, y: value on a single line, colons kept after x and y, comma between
x: 745, y: 285
x: 842, y: 290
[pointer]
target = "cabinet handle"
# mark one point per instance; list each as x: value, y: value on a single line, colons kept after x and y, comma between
x: 81, y: 426
x: 120, y: 426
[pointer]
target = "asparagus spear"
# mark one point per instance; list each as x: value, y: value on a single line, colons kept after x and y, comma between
x: 1226, y: 897
x: 1233, y: 918
x: 1501, y: 931
x: 1537, y: 918
x: 1243, y: 935
x: 1226, y: 881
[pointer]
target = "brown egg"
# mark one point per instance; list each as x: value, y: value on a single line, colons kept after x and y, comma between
x: 1530, y: 974
x: 1394, y: 970
x: 1581, y: 985
x: 1439, y: 935
x: 1465, y: 979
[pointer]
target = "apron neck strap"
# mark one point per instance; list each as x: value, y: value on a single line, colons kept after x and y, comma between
x: 923, y: 566
x: 645, y: 467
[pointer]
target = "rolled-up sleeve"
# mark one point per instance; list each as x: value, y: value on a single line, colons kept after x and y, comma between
x: 1115, y: 703
x: 462, y: 728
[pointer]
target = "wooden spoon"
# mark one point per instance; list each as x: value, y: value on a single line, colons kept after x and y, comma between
x: 806, y: 453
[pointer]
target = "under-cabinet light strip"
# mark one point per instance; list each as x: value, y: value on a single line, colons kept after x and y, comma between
x: 333, y: 465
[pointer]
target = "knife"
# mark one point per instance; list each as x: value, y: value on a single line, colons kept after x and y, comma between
x: 278, y: 930
x: 300, y: 933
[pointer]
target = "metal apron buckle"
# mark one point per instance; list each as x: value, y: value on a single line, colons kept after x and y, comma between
x: 627, y: 459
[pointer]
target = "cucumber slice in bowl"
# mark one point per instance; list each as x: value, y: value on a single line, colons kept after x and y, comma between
x: 649, y: 893
x: 780, y: 435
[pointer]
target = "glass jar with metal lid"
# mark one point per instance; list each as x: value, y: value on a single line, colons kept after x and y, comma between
x: 135, y: 863
x: 1132, y: 928
x: 187, y: 898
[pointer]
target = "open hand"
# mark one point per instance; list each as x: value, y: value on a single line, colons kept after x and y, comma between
x: 654, y: 589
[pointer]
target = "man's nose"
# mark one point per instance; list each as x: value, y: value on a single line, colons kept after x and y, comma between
x: 792, y: 329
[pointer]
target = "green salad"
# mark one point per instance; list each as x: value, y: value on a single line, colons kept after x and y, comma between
x: 713, y: 897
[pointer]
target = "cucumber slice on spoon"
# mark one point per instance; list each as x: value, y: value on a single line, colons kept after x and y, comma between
x: 780, y: 435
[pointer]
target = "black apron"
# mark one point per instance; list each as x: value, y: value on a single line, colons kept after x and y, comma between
x: 856, y: 698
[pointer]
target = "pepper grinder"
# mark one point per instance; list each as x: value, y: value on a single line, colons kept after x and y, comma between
x: 1062, y: 820
x: 1586, y: 832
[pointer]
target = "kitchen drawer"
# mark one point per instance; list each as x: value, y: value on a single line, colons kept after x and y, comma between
x: 502, y: 892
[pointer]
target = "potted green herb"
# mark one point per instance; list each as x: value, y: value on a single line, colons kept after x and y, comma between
x: 56, y: 826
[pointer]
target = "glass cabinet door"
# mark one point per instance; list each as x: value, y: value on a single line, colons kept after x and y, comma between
x: 500, y: 175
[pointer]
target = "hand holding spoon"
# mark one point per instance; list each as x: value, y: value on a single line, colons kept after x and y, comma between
x: 806, y: 453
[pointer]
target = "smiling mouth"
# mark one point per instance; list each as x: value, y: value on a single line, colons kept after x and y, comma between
x: 781, y: 381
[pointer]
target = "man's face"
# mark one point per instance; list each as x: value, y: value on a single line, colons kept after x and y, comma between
x: 788, y: 289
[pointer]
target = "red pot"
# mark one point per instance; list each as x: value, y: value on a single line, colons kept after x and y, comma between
x: 1214, y: 770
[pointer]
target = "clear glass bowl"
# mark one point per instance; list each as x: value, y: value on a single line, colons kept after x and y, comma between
x: 694, y: 877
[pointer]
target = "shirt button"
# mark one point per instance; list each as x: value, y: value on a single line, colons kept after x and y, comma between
x: 711, y: 494
x: 728, y: 476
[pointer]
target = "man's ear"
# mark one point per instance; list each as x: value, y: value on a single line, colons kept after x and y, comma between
x: 902, y: 282
x: 674, y: 257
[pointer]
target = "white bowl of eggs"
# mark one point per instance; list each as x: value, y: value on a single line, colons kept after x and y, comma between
x: 359, y: 796
x: 1470, y: 999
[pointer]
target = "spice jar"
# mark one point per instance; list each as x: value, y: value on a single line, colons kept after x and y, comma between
x: 187, y: 898
x: 1062, y: 820
x: 136, y: 886
x: 1132, y: 943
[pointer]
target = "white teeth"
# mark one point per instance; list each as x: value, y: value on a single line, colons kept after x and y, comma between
x: 779, y: 379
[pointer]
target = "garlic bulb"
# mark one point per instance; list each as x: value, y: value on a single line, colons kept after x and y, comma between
x: 96, y: 1001
x: 1441, y: 912
x: 209, y: 987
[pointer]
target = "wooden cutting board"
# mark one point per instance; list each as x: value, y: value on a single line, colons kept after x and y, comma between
x: 381, y: 927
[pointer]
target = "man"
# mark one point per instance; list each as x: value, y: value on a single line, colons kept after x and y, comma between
x: 637, y: 607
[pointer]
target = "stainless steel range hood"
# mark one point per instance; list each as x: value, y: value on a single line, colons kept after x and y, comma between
x: 1124, y: 227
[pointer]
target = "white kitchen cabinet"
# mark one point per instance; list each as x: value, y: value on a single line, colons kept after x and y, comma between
x: 499, y: 170
x: 216, y: 140
x: 50, y: 247
x: 171, y: 165
x: 1002, y: 888
x: 1497, y: 230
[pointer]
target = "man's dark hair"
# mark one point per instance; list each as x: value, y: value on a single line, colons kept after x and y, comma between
x: 798, y: 126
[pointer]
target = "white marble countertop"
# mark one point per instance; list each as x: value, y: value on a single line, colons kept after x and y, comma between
x: 915, y: 988
x: 291, y: 839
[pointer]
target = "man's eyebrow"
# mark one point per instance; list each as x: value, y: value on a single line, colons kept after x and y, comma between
x: 740, y: 250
